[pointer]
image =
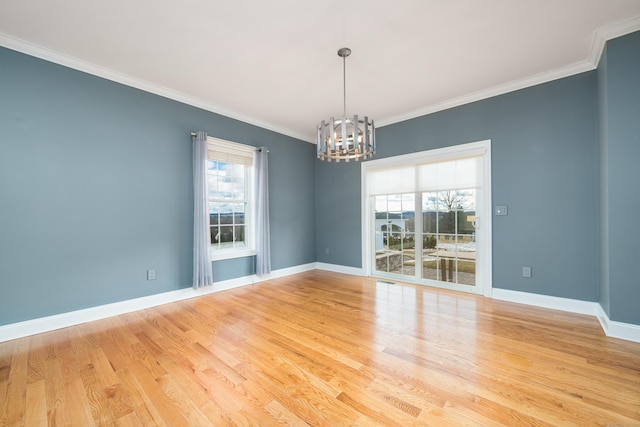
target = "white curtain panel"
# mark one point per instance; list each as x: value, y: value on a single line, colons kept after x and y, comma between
x: 202, y: 270
x: 263, y: 244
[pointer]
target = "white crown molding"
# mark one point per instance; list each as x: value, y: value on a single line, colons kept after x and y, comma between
x: 501, y: 89
x: 41, y: 52
x: 611, y: 32
x: 601, y: 36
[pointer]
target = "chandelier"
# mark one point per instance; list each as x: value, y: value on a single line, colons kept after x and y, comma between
x: 346, y: 138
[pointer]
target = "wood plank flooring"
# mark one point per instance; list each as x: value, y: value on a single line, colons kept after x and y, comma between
x: 325, y: 349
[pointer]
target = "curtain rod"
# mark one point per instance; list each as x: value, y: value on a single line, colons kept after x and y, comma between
x: 257, y: 148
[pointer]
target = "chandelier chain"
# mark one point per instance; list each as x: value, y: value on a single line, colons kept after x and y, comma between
x: 344, y: 86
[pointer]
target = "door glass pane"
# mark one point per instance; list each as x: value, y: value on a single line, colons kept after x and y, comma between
x: 409, y: 255
x: 381, y: 234
x: 466, y: 238
x: 395, y: 233
x: 430, y: 213
x: 449, y: 246
x: 408, y: 237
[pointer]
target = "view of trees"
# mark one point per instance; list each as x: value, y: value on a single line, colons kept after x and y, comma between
x: 443, y: 210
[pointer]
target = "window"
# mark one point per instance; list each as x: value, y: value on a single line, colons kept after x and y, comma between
x: 229, y: 181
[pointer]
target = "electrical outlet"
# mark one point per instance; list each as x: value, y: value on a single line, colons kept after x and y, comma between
x: 326, y: 250
x: 526, y: 272
x: 151, y: 274
x: 502, y: 210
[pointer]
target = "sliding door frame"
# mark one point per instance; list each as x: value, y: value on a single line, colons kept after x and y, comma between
x: 480, y: 148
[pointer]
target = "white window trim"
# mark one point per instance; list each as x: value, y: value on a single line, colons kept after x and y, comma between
x: 482, y: 148
x: 250, y: 250
x: 232, y: 253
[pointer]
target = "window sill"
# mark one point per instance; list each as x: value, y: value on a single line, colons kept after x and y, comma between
x: 230, y: 254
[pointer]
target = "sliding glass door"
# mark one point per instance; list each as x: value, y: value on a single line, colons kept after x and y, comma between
x: 423, y: 219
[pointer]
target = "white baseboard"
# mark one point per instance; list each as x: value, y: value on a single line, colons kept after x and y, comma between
x: 625, y: 331
x: 354, y: 271
x: 283, y: 272
x: 611, y: 328
x: 546, y: 301
x: 58, y: 321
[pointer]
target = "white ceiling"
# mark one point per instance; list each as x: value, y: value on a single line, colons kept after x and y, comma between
x: 274, y: 63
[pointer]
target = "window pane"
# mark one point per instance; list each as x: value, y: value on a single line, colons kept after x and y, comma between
x: 394, y: 203
x: 215, y: 230
x: 429, y: 212
x: 408, y: 255
x: 467, y: 272
x: 226, y: 181
x: 447, y: 211
x: 214, y: 218
x: 226, y: 234
x: 408, y: 202
x: 380, y: 204
x: 226, y: 217
x: 408, y: 212
x: 231, y: 181
x: 429, y: 243
x: 467, y: 216
x: 213, y: 171
x: 429, y: 258
x: 239, y: 236
x: 238, y: 214
x: 382, y: 261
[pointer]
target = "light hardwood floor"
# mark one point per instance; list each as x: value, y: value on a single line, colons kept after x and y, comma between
x: 325, y: 349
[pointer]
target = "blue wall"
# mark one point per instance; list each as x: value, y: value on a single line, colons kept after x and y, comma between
x: 95, y: 188
x: 619, y: 78
x: 544, y: 167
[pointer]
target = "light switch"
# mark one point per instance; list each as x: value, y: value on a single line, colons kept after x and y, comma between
x: 501, y: 210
